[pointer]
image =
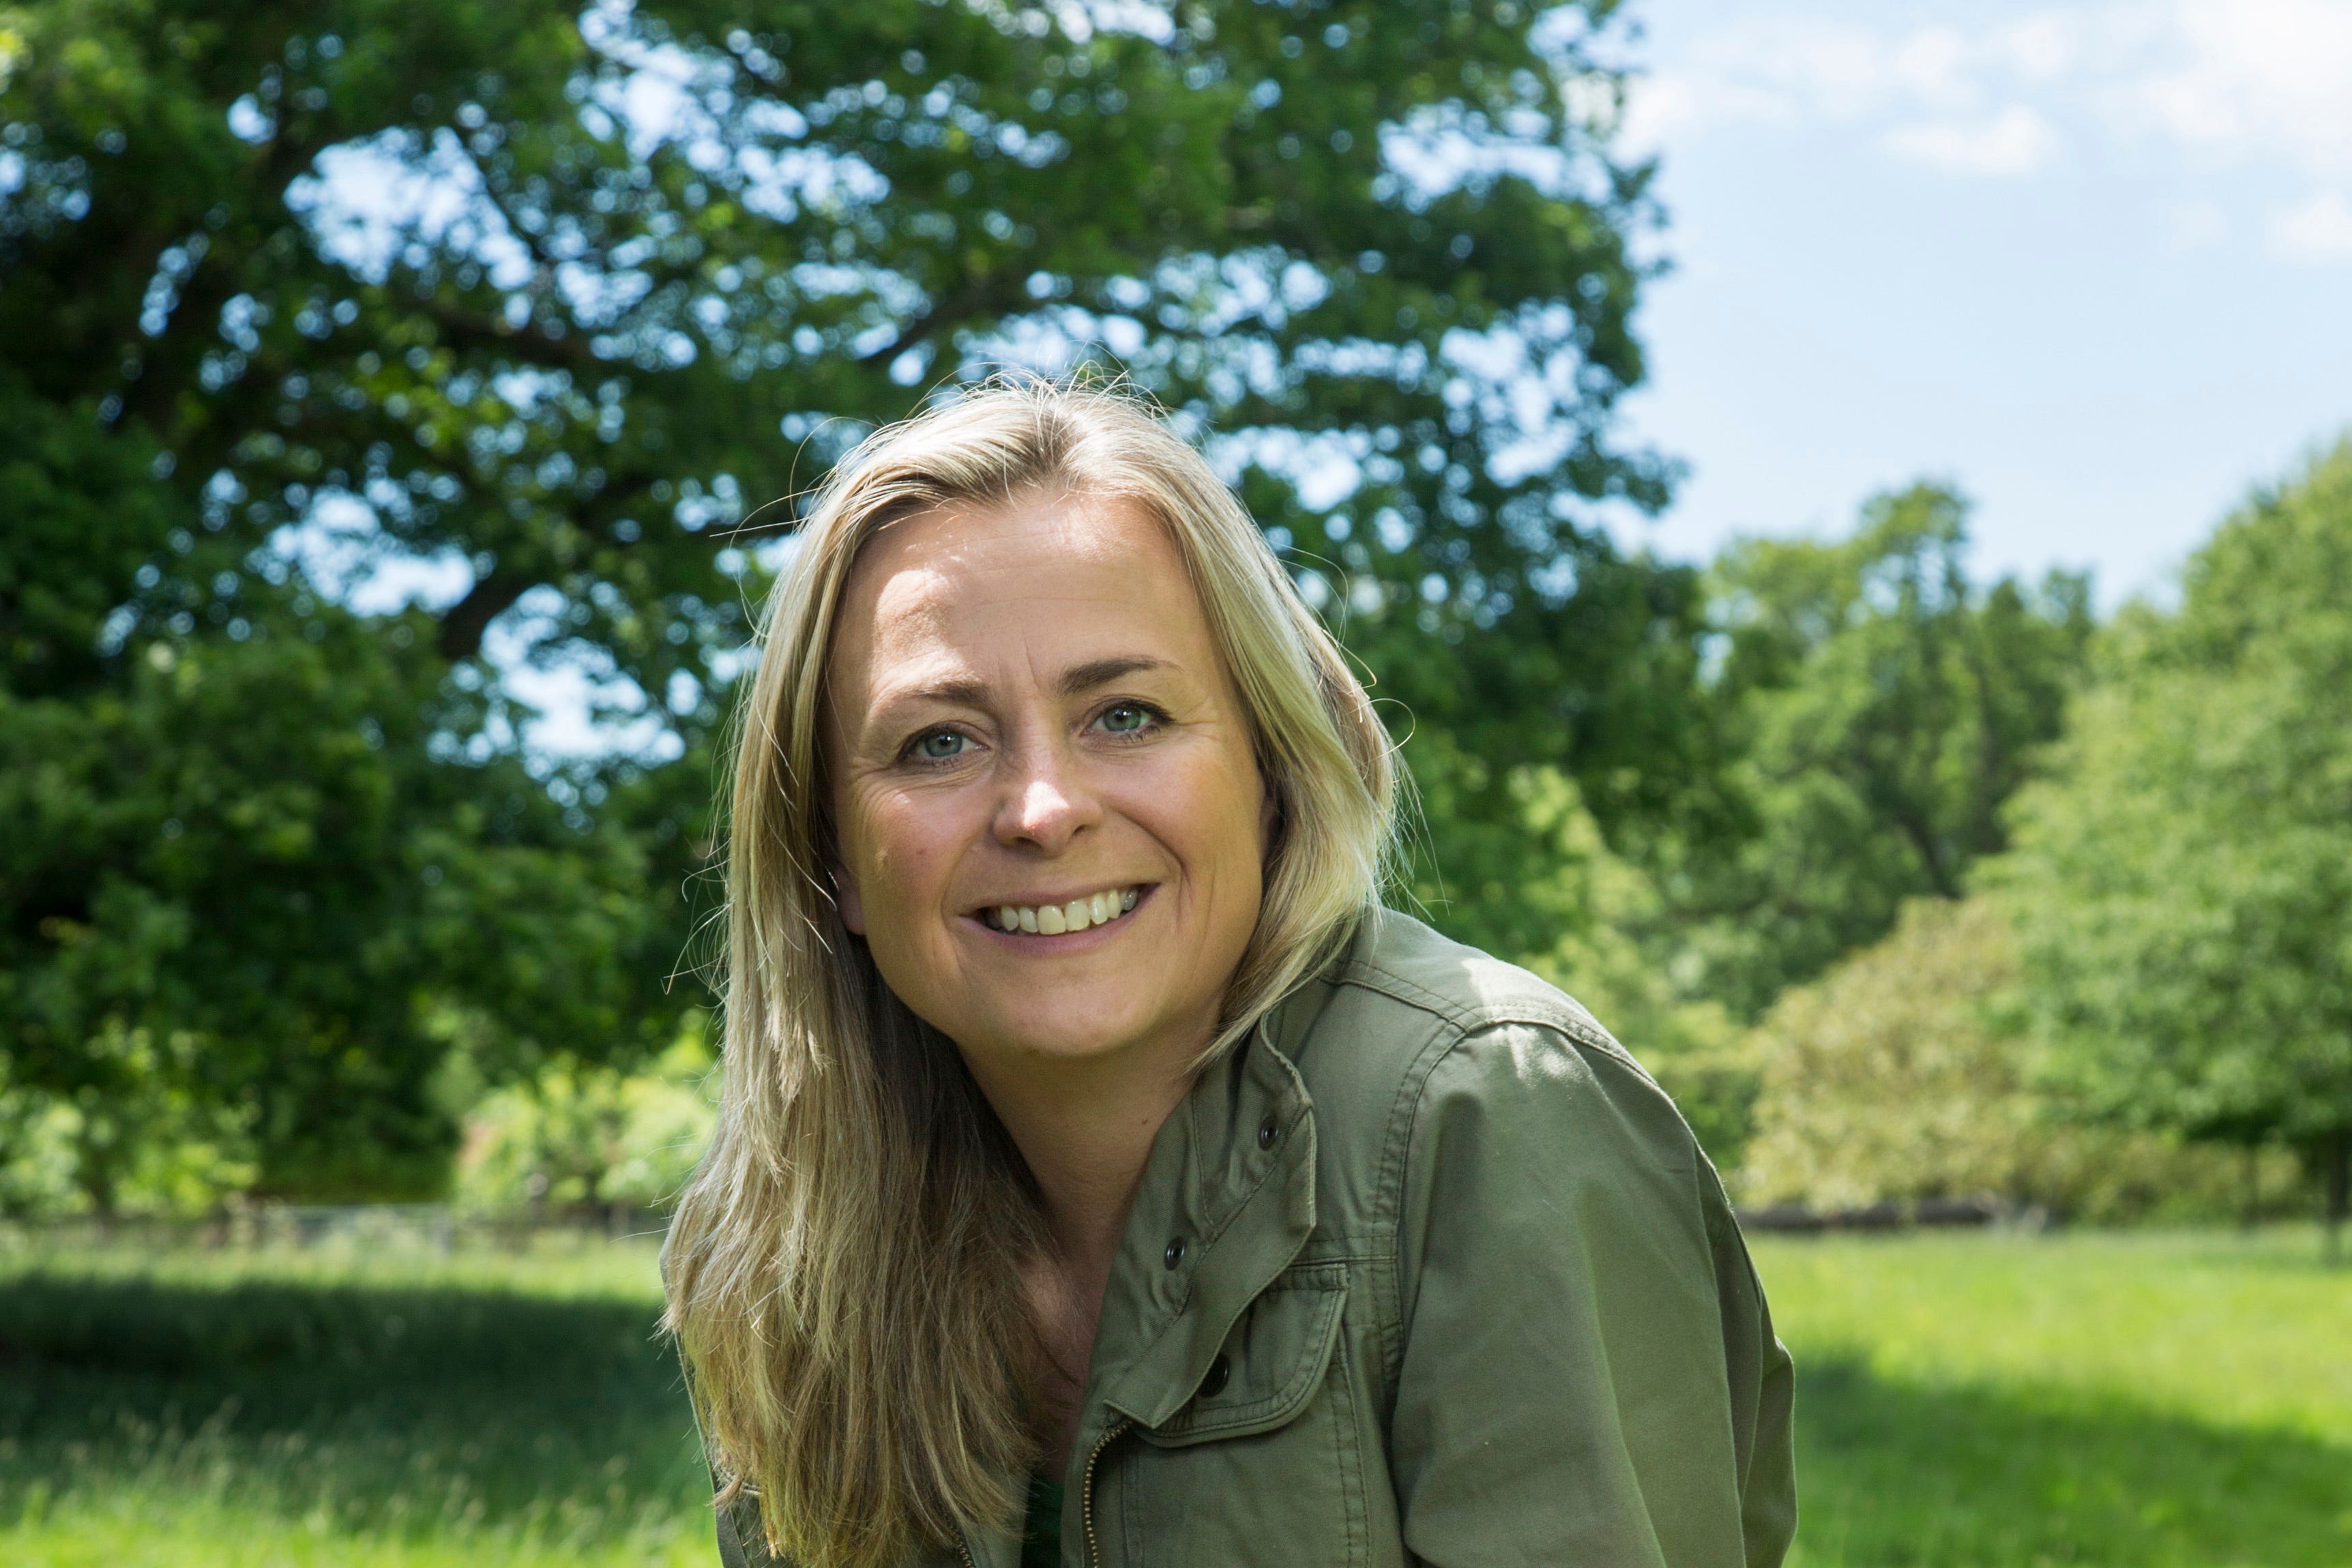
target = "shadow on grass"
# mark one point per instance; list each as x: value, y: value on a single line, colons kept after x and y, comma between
x: 1894, y: 1475
x: 481, y: 1412
x: 418, y: 1411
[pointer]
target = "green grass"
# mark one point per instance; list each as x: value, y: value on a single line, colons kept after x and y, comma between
x: 384, y: 1411
x: 1965, y: 1402
x: 2140, y: 1400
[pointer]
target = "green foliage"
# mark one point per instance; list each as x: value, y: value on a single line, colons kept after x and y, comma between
x: 580, y: 1137
x: 143, y: 1143
x: 1586, y: 903
x: 1906, y: 1072
x: 633, y: 271
x: 1870, y: 710
x: 243, y: 840
x: 1878, y: 709
x: 2186, y: 876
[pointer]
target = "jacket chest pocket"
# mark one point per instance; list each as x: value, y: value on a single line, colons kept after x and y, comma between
x: 1263, y: 1464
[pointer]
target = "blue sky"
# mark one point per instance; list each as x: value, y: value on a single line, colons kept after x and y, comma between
x: 2092, y: 261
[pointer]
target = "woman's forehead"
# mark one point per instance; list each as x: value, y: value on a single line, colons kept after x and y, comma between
x: 969, y: 561
x: 1045, y: 578
x: 1030, y: 526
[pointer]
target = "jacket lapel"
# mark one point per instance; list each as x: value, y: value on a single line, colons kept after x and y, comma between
x: 1226, y: 1201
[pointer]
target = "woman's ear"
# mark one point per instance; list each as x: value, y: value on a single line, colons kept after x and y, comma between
x: 846, y: 899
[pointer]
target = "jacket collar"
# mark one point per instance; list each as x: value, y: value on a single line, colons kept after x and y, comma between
x: 1231, y: 1210
x: 1242, y: 1213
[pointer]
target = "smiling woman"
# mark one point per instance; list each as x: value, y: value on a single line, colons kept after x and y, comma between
x: 1088, y: 1124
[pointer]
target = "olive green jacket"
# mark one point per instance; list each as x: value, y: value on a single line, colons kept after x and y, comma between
x: 1427, y: 1272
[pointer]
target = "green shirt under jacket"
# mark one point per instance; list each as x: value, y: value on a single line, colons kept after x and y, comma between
x: 1427, y: 1272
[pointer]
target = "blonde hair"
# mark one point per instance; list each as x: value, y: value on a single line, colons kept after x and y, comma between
x: 843, y: 1268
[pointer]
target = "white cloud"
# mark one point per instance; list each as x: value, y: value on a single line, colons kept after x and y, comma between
x: 2262, y: 79
x: 1788, y: 70
x: 2015, y: 141
x: 2319, y: 230
x: 2262, y: 85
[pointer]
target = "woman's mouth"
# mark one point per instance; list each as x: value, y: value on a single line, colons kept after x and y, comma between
x: 1078, y: 914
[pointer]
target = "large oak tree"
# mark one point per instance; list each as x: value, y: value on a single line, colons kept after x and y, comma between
x: 539, y: 307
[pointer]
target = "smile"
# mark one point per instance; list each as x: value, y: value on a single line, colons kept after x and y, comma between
x: 1054, y: 919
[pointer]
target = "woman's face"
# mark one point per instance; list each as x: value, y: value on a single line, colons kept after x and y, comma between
x: 1050, y: 820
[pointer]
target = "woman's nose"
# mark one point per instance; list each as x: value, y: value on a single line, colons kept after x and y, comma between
x: 1046, y: 803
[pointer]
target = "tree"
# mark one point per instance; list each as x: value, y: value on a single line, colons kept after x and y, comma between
x: 1878, y: 709
x: 241, y: 849
x: 545, y: 302
x: 2186, y: 876
x: 1907, y: 1072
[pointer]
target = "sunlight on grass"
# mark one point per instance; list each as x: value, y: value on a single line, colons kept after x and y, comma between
x: 556, y: 1264
x: 2244, y: 1330
x: 1965, y: 1401
x: 366, y: 1407
x: 2141, y: 1400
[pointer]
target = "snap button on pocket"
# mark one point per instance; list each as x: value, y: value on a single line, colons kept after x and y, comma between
x: 1175, y: 1253
x: 1220, y: 1372
x: 1266, y: 1133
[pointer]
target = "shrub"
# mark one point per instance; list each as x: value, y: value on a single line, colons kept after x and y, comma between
x: 1906, y: 1072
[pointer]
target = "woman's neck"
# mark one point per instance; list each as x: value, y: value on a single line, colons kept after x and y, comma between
x: 1085, y: 1130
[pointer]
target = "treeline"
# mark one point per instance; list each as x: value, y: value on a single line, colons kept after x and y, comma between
x: 2000, y: 906
x: 361, y: 364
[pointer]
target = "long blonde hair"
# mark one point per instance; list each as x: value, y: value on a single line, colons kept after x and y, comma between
x: 843, y: 1268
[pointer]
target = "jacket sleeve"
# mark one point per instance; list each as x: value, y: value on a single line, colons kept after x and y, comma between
x: 1588, y: 1372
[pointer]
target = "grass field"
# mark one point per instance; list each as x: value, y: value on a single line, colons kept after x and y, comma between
x: 1966, y: 1402
x: 2146, y: 1400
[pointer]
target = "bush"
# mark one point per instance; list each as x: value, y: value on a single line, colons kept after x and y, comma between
x: 140, y: 1144
x: 1608, y: 917
x: 1906, y: 1073
x: 588, y: 1138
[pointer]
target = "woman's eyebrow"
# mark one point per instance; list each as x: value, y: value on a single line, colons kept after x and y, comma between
x: 955, y: 691
x: 971, y: 691
x: 1102, y: 671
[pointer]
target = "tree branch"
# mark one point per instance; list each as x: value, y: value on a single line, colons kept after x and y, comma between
x: 463, y: 622
x: 462, y: 330
x: 976, y: 298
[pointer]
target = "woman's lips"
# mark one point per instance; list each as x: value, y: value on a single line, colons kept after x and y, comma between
x: 1083, y: 912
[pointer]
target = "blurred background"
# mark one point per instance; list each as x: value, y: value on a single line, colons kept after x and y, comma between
x: 1846, y: 507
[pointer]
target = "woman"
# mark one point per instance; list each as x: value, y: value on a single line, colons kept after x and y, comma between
x: 1102, y: 1176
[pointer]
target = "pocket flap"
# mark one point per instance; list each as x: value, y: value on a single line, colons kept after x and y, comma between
x: 1273, y: 1360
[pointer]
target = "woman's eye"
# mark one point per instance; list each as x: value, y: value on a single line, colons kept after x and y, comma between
x: 939, y: 746
x: 1126, y: 718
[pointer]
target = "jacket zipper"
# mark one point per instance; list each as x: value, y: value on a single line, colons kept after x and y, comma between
x: 1086, y: 1483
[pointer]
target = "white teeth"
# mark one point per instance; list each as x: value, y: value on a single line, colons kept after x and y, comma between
x: 1054, y: 919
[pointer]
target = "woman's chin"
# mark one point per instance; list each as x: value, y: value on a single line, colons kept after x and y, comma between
x: 1072, y: 1028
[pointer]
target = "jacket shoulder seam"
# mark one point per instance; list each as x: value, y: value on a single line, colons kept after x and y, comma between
x: 1389, y: 1202
x: 1414, y: 1088
x: 1469, y: 1017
